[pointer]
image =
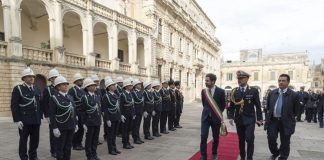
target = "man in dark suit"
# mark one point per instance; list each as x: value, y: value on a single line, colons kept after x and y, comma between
x: 283, y: 106
x: 245, y: 111
x: 209, y: 118
x: 321, y: 108
x: 303, y: 98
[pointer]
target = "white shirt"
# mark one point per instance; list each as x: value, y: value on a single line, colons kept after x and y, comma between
x: 274, y: 111
x: 212, y: 90
x: 78, y: 87
x: 111, y: 92
x: 62, y: 93
x: 243, y: 87
x: 91, y: 93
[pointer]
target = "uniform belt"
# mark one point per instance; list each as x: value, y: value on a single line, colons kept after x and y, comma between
x: 128, y: 105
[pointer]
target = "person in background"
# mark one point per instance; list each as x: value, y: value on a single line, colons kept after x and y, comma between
x: 179, y: 106
x: 303, y: 98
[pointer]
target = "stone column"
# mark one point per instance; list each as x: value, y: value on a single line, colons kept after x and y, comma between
x: 148, y: 56
x: 113, y: 47
x: 132, y: 51
x: 15, y: 40
x: 88, y: 42
x: 6, y: 21
x: 58, y: 44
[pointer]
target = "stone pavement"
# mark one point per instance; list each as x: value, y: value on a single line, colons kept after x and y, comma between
x: 306, y: 144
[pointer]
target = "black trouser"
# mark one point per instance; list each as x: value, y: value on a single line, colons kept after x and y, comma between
x: 177, y: 117
x: 300, y: 112
x: 78, y: 136
x: 164, y: 117
x: 91, y: 141
x: 52, y: 140
x: 274, y: 127
x: 31, y: 131
x: 111, y: 135
x: 147, y: 125
x: 311, y: 114
x: 155, y: 122
x: 136, y: 127
x: 205, y: 124
x: 320, y: 110
x: 105, y: 129
x: 64, y: 144
x: 246, y: 134
x: 171, y: 117
x: 126, y: 128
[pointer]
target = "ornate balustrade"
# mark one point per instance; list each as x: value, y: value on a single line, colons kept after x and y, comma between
x: 37, y: 54
x: 124, y: 67
x: 73, y: 59
x: 104, y: 64
x: 3, y: 48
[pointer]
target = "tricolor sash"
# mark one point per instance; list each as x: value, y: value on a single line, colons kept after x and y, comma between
x: 217, y: 111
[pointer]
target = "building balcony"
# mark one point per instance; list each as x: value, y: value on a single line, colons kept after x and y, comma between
x: 199, y: 63
x: 74, y: 59
x: 142, y: 70
x: 103, y: 64
x: 124, y: 67
x: 37, y: 54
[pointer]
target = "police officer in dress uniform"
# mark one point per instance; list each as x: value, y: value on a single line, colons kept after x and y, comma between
x: 173, y: 103
x: 27, y: 114
x: 179, y: 106
x: 63, y: 118
x: 76, y: 93
x: 110, y: 106
x: 104, y: 91
x: 321, y: 108
x: 166, y: 100
x: 137, y: 94
x: 92, y: 118
x: 245, y: 109
x: 98, y: 92
x: 157, y: 108
x: 127, y: 111
x: 303, y: 98
x: 148, y: 110
x: 119, y: 91
x: 47, y: 94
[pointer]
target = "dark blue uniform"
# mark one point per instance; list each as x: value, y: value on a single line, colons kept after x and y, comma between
x: 139, y: 107
x: 110, y: 107
x: 119, y: 91
x: 62, y: 116
x: 148, y: 107
x: 157, y: 109
x: 166, y: 100
x: 172, y: 111
x: 128, y: 111
x: 179, y: 107
x: 92, y: 119
x: 47, y: 94
x: 25, y: 107
x: 76, y: 94
x: 245, y: 117
x: 303, y: 98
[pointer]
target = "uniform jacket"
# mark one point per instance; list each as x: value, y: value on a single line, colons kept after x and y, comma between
x: 47, y: 94
x: 303, y: 97
x: 251, y: 109
x: 126, y: 104
x: 62, y: 112
x: 312, y: 99
x: 219, y: 97
x: 92, y: 107
x: 25, y: 105
x: 157, y: 101
x: 166, y: 99
x: 76, y: 95
x: 148, y: 101
x: 289, y: 109
x: 173, y: 101
x: 138, y: 101
x: 179, y: 99
x: 110, y: 105
x: 119, y: 90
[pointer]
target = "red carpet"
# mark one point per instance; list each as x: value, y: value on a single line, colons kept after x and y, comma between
x: 227, y: 148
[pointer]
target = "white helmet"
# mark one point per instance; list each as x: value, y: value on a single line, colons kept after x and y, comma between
x: 27, y: 72
x: 77, y: 76
x: 59, y: 80
x: 107, y: 78
x: 127, y: 82
x: 88, y: 82
x: 136, y: 81
x: 109, y: 82
x: 95, y: 77
x: 53, y: 73
x: 119, y: 79
x: 165, y: 81
x: 146, y: 84
x: 155, y: 83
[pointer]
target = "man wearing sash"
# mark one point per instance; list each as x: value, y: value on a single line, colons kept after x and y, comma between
x: 245, y: 111
x: 213, y: 101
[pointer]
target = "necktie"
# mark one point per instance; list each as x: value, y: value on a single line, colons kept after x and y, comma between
x: 209, y: 90
x: 242, y: 89
x: 31, y: 88
x: 279, y: 104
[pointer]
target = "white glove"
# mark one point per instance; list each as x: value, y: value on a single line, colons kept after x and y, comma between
x: 123, y: 118
x: 134, y: 116
x: 109, y: 123
x: 145, y: 114
x: 48, y: 120
x: 20, y: 125
x: 76, y: 128
x: 85, y: 128
x: 153, y: 113
x: 76, y: 117
x: 56, y: 132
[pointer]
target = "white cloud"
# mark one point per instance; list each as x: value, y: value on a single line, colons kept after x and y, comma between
x: 273, y: 25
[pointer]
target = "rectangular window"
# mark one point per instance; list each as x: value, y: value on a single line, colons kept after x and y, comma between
x: 187, y: 79
x: 160, y: 72
x: 256, y: 76
x: 179, y: 75
x: 229, y: 77
x: 121, y: 55
x: 272, y: 75
x: 291, y: 74
x: 171, y: 36
x: 171, y: 73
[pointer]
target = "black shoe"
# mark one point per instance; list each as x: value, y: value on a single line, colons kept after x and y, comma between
x: 321, y: 126
x: 157, y: 135
x: 214, y: 157
x: 315, y: 121
x: 172, y: 129
x: 117, y: 151
x: 137, y: 142
x: 78, y: 148
x: 96, y: 158
x: 165, y: 132
x: 178, y: 126
x: 149, y: 138
x: 113, y: 153
x: 141, y: 141
x: 300, y: 121
x: 127, y: 146
x: 53, y: 155
x: 273, y: 157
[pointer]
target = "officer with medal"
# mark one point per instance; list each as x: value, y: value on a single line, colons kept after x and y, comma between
x: 90, y: 103
x: 148, y: 110
x: 119, y: 91
x: 166, y: 100
x: 63, y: 118
x: 137, y: 94
x: 27, y: 114
x: 157, y: 108
x: 103, y: 92
x: 76, y: 93
x: 179, y: 106
x: 173, y: 103
x: 47, y: 94
x: 245, y: 111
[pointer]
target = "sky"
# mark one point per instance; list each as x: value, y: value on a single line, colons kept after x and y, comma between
x: 276, y: 26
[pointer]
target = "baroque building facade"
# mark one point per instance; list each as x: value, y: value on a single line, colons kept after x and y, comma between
x: 265, y: 70
x: 144, y: 39
x: 317, y: 73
